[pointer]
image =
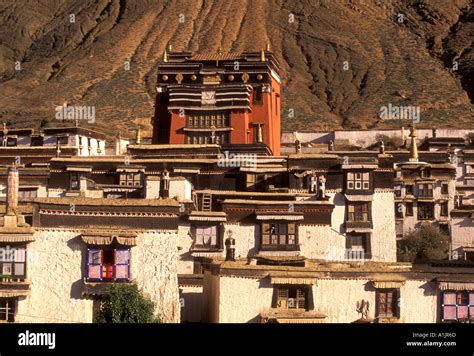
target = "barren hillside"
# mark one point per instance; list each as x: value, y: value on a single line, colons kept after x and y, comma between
x: 341, y: 59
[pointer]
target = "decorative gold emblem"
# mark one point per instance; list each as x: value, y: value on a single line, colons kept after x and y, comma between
x: 259, y: 77
x: 231, y: 77
x: 193, y: 77
x: 164, y: 77
x: 245, y: 77
x: 179, y: 78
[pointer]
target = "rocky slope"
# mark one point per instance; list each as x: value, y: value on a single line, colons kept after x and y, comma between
x: 341, y: 59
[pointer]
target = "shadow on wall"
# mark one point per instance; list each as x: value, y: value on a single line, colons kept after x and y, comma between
x: 76, y: 244
x: 254, y: 250
x: 429, y: 289
x: 339, y: 200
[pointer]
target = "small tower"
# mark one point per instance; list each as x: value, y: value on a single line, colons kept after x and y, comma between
x: 138, y: 139
x: 413, y: 147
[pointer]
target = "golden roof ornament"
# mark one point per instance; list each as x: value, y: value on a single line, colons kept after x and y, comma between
x: 413, y: 147
x: 268, y: 47
x: 262, y: 56
x: 245, y: 77
x: 170, y: 48
x: 179, y: 78
x: 165, y: 56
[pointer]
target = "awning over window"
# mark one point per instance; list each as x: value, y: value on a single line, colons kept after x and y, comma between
x: 16, y: 238
x: 187, y: 170
x: 360, y: 166
x: 446, y: 285
x: 102, y: 239
x: 78, y: 169
x: 130, y: 169
x: 293, y: 280
x: 208, y: 216
x: 359, y: 197
x: 206, y: 254
x: 387, y: 283
x: 13, y: 293
x: 279, y: 216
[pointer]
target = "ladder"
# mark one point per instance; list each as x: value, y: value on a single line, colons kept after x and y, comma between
x: 206, y: 201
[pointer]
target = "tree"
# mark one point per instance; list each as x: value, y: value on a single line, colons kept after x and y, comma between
x: 424, y: 244
x: 123, y: 303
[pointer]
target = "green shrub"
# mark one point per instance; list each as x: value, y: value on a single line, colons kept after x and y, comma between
x: 123, y: 303
x: 424, y: 244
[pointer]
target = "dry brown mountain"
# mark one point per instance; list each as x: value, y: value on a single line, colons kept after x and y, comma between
x: 82, y: 63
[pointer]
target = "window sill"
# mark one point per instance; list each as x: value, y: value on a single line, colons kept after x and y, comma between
x: 295, y: 247
x: 387, y: 320
x: 92, y: 288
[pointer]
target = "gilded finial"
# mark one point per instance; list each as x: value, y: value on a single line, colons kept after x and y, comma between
x: 165, y: 56
x: 262, y: 55
x: 170, y: 48
x: 268, y: 47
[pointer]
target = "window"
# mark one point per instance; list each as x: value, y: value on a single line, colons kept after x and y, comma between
x: 256, y: 129
x: 386, y: 303
x: 425, y: 190
x: 12, y: 141
x: 358, y: 212
x: 206, y: 121
x: 398, y: 210
x: 206, y: 237
x: 108, y: 264
x: 358, y: 246
x: 458, y: 305
x: 27, y: 194
x: 291, y: 297
x: 278, y: 235
x: 221, y: 137
x: 7, y: 310
x: 398, y: 191
x: 409, y: 208
x: 74, y: 181
x: 13, y: 262
x: 131, y: 179
x: 37, y: 140
x: 444, y: 209
x: 444, y: 189
x: 358, y: 181
x: 425, y: 211
x: 399, y: 228
x: 409, y: 189
x: 62, y: 140
x: 257, y: 95
x: 425, y: 173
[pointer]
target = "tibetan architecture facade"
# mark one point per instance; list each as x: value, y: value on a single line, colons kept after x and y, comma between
x: 213, y: 224
x: 231, y: 98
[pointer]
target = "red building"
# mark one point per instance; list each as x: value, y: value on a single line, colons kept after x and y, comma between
x: 224, y: 98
